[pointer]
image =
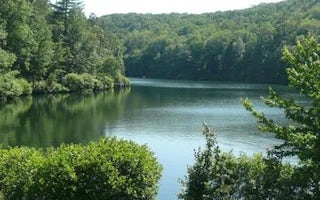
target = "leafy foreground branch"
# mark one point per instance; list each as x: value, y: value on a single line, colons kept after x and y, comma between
x: 219, y: 175
x: 108, y: 169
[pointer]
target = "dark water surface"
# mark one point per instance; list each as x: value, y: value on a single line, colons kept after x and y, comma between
x: 165, y: 115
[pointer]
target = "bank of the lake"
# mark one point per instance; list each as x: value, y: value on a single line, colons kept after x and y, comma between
x: 165, y: 115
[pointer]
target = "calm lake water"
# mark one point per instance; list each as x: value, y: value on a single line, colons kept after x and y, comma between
x: 165, y: 115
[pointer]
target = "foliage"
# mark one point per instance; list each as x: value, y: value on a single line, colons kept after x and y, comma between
x: 106, y: 82
x: 11, y: 87
x: 73, y: 81
x: 217, y: 175
x: 108, y: 169
x: 42, y: 86
x: 122, y: 81
x: 6, y: 60
x: 88, y: 82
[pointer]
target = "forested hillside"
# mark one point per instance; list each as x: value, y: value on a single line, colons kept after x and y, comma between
x: 243, y: 45
x: 51, y: 48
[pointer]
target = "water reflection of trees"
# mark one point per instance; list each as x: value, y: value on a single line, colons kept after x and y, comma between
x: 55, y: 119
x: 10, y: 119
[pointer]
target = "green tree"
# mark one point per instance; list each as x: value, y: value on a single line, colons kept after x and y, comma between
x: 213, y: 54
x: 62, y: 10
x: 69, y: 24
x: 29, y: 36
x: 20, y: 40
x: 43, y: 49
x: 10, y: 85
x: 301, y: 137
x: 6, y: 58
x: 233, y: 55
x: 85, y: 52
x: 75, y: 42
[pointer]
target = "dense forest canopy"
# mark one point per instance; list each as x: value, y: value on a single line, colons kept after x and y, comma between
x: 243, y: 45
x: 51, y: 48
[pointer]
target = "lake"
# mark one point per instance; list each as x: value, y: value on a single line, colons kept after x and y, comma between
x: 165, y: 115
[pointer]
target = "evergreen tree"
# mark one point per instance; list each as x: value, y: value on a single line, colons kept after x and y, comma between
x: 62, y: 10
x: 43, y: 49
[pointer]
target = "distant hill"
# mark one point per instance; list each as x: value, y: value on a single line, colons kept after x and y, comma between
x: 242, y: 45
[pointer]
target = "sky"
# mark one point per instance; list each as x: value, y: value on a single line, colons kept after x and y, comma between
x: 103, y: 7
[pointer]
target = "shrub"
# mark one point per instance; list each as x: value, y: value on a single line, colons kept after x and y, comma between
x: 108, y: 169
x: 122, y: 81
x: 11, y: 86
x: 89, y: 82
x: 25, y: 86
x: 39, y: 86
x: 106, y: 82
x: 55, y: 87
x: 73, y: 81
x: 43, y: 86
